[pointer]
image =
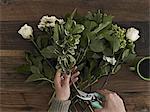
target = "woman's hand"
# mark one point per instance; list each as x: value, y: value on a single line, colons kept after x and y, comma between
x: 62, y: 83
x: 113, y: 102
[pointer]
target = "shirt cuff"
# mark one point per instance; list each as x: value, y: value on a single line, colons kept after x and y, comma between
x: 59, y: 106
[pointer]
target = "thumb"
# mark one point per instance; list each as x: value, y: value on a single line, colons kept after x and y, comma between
x: 57, y: 79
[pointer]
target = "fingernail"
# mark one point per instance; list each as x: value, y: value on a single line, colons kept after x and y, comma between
x: 78, y: 72
x: 76, y: 67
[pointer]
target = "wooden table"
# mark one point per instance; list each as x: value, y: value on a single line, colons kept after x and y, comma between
x: 16, y: 96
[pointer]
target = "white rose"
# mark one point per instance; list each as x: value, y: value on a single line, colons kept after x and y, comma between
x: 110, y: 60
x: 61, y: 21
x: 26, y: 31
x: 52, y: 19
x: 132, y: 34
x: 41, y: 26
x: 52, y: 24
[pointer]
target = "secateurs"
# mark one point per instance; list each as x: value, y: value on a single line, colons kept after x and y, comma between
x: 95, y: 99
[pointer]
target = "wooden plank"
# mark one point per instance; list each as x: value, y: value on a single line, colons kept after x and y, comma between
x: 37, y: 101
x: 11, y: 40
x: 120, y: 82
x: 17, y: 96
x: 123, y: 10
x: 12, y: 53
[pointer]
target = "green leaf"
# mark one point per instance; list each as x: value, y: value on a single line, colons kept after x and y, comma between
x: 81, y: 66
x: 108, y: 52
x: 72, y: 60
x: 92, y: 64
x: 103, y: 70
x: 131, y: 58
x: 77, y: 29
x: 25, y: 69
x: 38, y: 41
x: 68, y: 24
x: 35, y: 70
x: 34, y: 77
x: 49, y: 52
x: 89, y: 15
x: 89, y: 25
x: 84, y: 41
x: 48, y: 71
x: 125, y: 54
x: 73, y: 13
x: 97, y: 45
x: 101, y: 26
x: 96, y: 56
x: 56, y: 33
x: 44, y: 42
x: 107, y: 18
x: 115, y: 44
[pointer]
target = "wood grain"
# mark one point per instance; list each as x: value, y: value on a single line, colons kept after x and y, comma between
x: 123, y: 10
x: 17, y: 96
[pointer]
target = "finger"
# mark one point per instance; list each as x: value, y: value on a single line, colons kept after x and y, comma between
x: 66, y: 80
x: 74, y: 69
x: 75, y: 75
x: 74, y: 80
x: 57, y: 79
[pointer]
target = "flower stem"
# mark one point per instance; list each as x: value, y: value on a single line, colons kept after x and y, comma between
x: 41, y: 53
x: 113, y: 70
x: 44, y: 59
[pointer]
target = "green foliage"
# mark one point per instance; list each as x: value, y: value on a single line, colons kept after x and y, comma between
x: 92, y: 43
x: 81, y: 41
x: 49, y: 52
x: 97, y: 45
x: 25, y: 69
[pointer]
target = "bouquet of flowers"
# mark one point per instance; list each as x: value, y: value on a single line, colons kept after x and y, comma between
x: 92, y: 42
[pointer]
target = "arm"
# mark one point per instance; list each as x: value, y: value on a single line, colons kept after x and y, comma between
x: 62, y: 89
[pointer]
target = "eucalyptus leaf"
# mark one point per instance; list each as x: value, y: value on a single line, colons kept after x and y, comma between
x: 97, y: 45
